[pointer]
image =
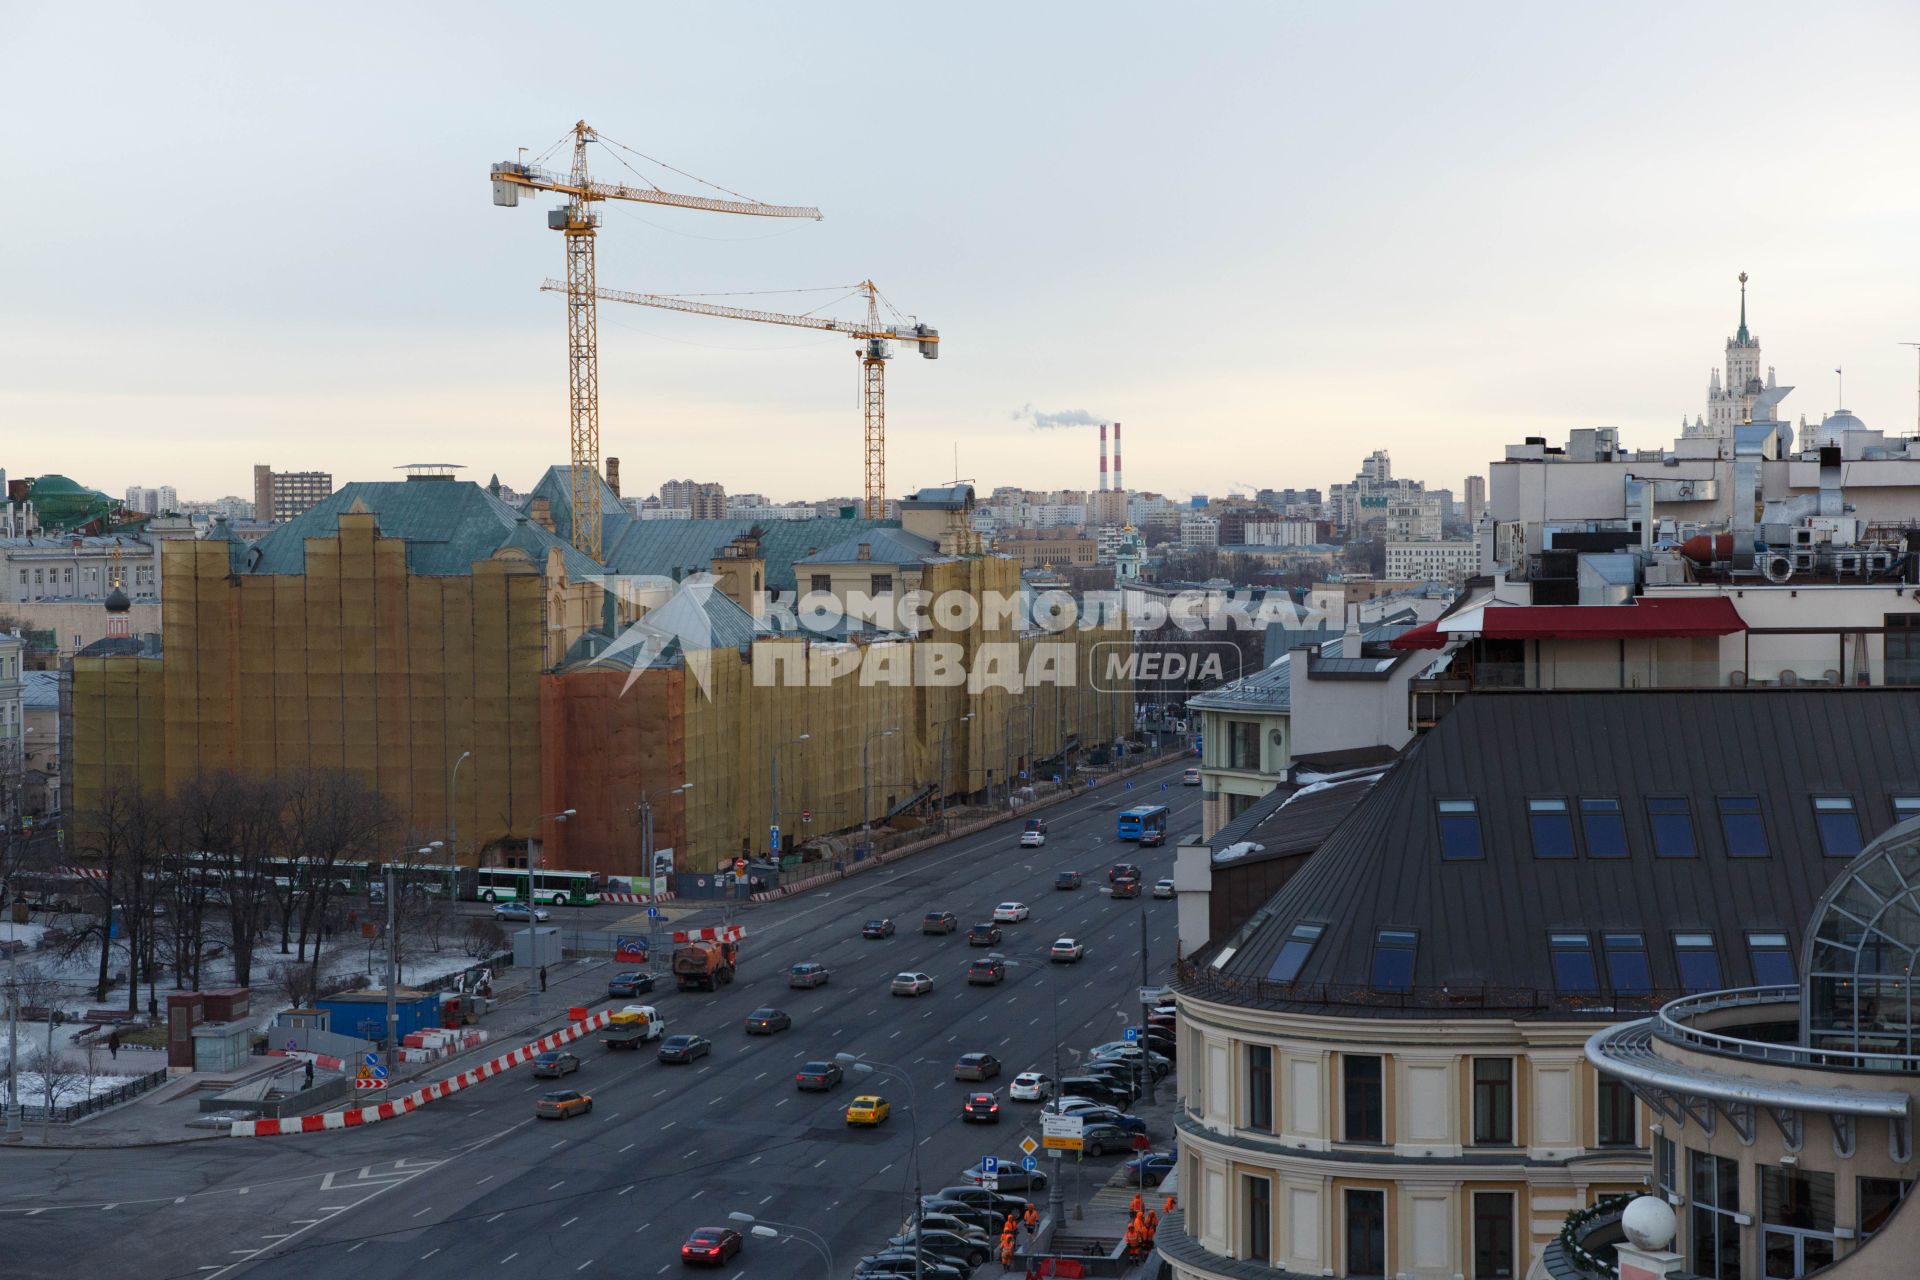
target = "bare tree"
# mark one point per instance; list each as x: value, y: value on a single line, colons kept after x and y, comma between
x: 121, y: 831
x: 334, y: 819
x: 482, y: 938
x: 58, y: 1076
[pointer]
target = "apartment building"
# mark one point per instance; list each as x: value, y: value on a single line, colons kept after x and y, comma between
x: 282, y: 495
x: 1450, y: 562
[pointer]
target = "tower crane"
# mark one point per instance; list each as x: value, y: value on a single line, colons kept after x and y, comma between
x: 577, y: 221
x: 874, y: 335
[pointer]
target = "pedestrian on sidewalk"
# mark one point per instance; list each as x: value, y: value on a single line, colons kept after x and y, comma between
x: 113, y: 1044
x: 1006, y: 1253
x: 1136, y: 1206
x: 1032, y: 1220
x: 543, y: 977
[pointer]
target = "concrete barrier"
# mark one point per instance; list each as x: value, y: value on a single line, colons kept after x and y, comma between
x: 360, y: 1116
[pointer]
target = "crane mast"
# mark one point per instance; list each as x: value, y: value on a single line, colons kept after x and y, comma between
x: 578, y: 222
x: 875, y: 337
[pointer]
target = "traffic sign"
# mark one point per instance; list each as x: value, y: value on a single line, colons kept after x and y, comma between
x: 806, y: 815
x: 1140, y: 1142
x: 372, y: 1059
x: 1029, y: 1146
x: 773, y: 839
x: 653, y: 913
x: 292, y: 1045
x: 989, y: 1165
x: 1061, y: 1133
x: 1130, y: 1035
x: 1029, y: 1163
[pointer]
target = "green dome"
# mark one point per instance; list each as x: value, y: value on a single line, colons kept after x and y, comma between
x: 63, y: 504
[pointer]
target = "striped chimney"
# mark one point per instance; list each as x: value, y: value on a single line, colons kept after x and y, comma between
x: 1118, y: 487
x: 1103, y: 457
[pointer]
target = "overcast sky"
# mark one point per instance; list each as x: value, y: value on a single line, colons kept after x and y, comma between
x: 1267, y: 238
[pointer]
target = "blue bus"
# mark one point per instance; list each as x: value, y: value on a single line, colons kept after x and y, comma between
x: 1146, y: 824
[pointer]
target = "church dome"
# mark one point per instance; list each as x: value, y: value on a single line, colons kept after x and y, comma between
x: 117, y: 601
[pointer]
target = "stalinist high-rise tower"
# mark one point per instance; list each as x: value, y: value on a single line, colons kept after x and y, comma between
x: 1729, y: 404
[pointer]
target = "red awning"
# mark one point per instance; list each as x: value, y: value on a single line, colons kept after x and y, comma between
x: 1425, y: 636
x: 1643, y: 619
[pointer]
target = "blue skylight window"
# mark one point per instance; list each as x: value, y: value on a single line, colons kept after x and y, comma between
x: 1459, y: 830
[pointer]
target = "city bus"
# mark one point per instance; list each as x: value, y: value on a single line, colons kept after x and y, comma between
x: 550, y: 888
x: 1146, y: 824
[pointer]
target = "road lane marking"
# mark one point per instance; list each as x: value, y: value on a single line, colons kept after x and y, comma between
x: 496, y: 1217
x: 556, y: 1186
x: 429, y: 1253
x: 569, y: 1222
x: 622, y: 1151
x: 510, y: 1257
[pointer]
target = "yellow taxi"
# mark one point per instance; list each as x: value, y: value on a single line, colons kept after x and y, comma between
x: 868, y: 1109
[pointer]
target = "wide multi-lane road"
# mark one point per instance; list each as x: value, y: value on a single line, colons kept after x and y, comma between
x: 474, y: 1185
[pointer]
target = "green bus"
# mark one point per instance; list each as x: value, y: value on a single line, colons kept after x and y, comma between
x: 549, y: 888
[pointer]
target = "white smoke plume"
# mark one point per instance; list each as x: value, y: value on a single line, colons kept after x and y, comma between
x: 1043, y: 421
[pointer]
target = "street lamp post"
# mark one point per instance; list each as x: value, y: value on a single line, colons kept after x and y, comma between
x: 453, y: 827
x: 1145, y: 1065
x: 773, y: 825
x: 866, y: 785
x: 867, y: 1066
x: 533, y: 903
x: 946, y: 737
x: 393, y: 956
x: 767, y: 1229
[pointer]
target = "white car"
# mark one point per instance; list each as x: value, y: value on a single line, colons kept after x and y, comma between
x: 1191, y: 778
x: 1032, y: 839
x: 911, y: 984
x: 1163, y: 888
x: 1030, y: 1086
x: 1010, y: 913
x: 1066, y: 951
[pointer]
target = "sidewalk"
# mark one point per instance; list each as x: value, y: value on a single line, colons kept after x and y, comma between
x: 163, y: 1116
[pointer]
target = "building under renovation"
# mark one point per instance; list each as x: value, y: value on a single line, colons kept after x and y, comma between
x: 397, y: 627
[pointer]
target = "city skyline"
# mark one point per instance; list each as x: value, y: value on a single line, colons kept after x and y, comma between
x: 1140, y: 256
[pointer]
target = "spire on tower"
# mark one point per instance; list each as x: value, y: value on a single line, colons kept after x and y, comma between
x: 1742, y: 335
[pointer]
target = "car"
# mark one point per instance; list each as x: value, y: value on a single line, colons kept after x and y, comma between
x: 868, y: 1109
x: 1010, y: 913
x: 1163, y: 888
x: 902, y: 1262
x: 554, y: 1064
x: 1036, y: 824
x: 983, y: 935
x: 983, y: 1108
x: 939, y: 1252
x: 1167, y: 1020
x: 948, y: 1244
x: 939, y: 922
x: 629, y: 984
x: 963, y: 1227
x: 1152, y: 839
x: 518, y: 911
x: 1068, y: 880
x: 712, y: 1246
x: 1119, y: 869
x: 1127, y: 1055
x: 808, y: 973
x: 764, y: 1022
x: 1030, y: 1086
x: 987, y: 972
x: 1108, y: 1115
x: 975, y: 1216
x: 1032, y: 839
x: 1066, y: 951
x: 912, y: 984
x: 976, y: 1066
x: 564, y: 1104
x: 818, y: 1077
x: 1098, y: 1139
x: 991, y: 1201
x: 1149, y: 1168
x: 1161, y: 997
x: 684, y: 1048
x: 1012, y: 1177
x: 1093, y: 1089
x: 881, y: 928
x: 1191, y: 778
x: 1126, y: 887
x: 1119, y: 1079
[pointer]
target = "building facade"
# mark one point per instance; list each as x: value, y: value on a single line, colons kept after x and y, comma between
x: 1449, y: 562
x: 283, y: 495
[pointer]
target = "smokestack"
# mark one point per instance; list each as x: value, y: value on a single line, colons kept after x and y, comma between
x: 1103, y: 457
x: 613, y: 475
x: 1118, y: 487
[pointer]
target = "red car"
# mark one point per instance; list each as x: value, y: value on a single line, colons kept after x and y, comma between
x: 711, y: 1247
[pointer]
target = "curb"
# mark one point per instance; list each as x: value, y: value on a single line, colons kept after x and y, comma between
x: 361, y: 1116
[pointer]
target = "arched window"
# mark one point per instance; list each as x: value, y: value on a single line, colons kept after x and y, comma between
x: 1863, y: 949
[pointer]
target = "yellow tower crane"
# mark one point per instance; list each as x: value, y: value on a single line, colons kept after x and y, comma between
x: 874, y: 335
x: 577, y: 221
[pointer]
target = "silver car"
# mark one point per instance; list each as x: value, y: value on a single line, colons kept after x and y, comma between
x: 912, y: 984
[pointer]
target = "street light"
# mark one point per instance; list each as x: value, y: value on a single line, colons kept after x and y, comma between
x: 533, y: 902
x: 453, y: 826
x: 769, y: 1230
x: 866, y: 774
x: 946, y: 736
x: 773, y: 756
x: 865, y: 1067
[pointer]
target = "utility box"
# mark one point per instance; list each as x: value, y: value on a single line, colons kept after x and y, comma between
x: 222, y: 1046
x: 227, y: 1004
x: 544, y: 948
x: 185, y: 1010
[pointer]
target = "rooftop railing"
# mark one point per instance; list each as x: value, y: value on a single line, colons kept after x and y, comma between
x: 1673, y: 1024
x: 1204, y: 982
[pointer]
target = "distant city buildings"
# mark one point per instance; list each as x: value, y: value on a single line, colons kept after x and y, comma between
x: 704, y: 500
x: 282, y: 495
x: 1433, y: 560
x: 153, y: 501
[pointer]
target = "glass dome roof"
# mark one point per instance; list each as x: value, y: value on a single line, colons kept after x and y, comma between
x: 1863, y: 949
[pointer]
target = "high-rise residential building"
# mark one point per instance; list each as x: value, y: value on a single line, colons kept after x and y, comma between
x: 706, y: 500
x: 153, y: 501
x: 1476, y: 498
x: 282, y: 495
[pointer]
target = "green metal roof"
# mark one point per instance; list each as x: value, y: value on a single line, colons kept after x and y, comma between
x: 661, y: 547
x: 447, y: 525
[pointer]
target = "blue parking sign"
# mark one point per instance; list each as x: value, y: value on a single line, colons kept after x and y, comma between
x: 1131, y: 1034
x: 989, y: 1165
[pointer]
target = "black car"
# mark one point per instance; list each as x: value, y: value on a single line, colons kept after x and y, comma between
x: 977, y: 1215
x: 684, y: 1048
x: 981, y: 1108
x: 764, y: 1022
x: 1123, y: 869
x: 1012, y: 1177
x: 899, y: 1262
x: 946, y: 1244
x: 984, y: 935
x: 1068, y: 880
x: 939, y: 922
x: 818, y: 1077
x: 992, y: 1201
x: 882, y: 928
x: 1098, y: 1139
x: 1118, y: 1079
x: 986, y: 972
x: 711, y: 1247
x: 629, y: 984
x: 1096, y: 1088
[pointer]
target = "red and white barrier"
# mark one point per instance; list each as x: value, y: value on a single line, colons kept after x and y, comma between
x: 360, y: 1116
x: 714, y: 933
x: 320, y: 1060
x: 638, y: 899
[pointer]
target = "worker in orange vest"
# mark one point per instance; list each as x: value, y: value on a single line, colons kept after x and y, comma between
x: 1032, y: 1220
x: 1135, y: 1207
x: 1006, y: 1252
x: 1168, y: 1207
x: 1153, y: 1225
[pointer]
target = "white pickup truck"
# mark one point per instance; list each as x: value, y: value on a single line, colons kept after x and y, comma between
x: 633, y: 1026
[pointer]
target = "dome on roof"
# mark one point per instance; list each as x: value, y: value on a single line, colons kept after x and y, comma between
x: 1835, y: 425
x: 117, y: 601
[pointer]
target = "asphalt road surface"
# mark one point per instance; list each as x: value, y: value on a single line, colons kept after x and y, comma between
x: 474, y: 1185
